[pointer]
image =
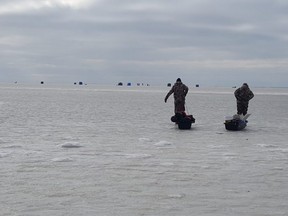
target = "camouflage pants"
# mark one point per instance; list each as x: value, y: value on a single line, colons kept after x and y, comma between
x: 242, y: 107
x: 179, y: 106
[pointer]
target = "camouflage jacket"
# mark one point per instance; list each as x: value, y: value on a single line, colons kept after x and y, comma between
x: 243, y: 94
x: 180, y: 90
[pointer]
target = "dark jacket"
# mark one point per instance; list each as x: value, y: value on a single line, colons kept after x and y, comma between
x: 243, y: 94
x: 180, y: 91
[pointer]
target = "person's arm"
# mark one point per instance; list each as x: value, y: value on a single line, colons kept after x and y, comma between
x: 237, y: 94
x: 168, y: 94
x: 251, y: 95
x: 186, y: 90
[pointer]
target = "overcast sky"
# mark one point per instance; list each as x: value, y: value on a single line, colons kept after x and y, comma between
x: 206, y: 42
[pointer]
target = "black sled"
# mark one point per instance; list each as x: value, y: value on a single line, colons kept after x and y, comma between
x: 236, y: 123
x: 183, y: 120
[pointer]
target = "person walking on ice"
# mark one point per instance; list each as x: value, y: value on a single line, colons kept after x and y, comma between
x: 180, y: 91
x: 243, y: 96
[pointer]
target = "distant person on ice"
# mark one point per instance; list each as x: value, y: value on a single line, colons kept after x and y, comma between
x: 180, y: 91
x: 243, y: 95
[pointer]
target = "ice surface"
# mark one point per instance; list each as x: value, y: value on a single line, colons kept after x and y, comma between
x: 133, y: 160
x: 71, y: 145
x: 163, y: 144
x: 138, y: 156
x: 143, y: 139
x: 62, y: 159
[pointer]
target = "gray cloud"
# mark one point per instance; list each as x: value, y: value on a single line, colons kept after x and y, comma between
x: 221, y: 42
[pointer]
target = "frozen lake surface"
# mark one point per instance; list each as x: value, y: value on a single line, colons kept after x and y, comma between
x: 88, y: 150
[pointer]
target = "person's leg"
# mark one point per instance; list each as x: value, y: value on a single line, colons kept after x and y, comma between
x: 242, y: 108
x: 179, y: 107
x: 239, y: 108
x: 245, y: 108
